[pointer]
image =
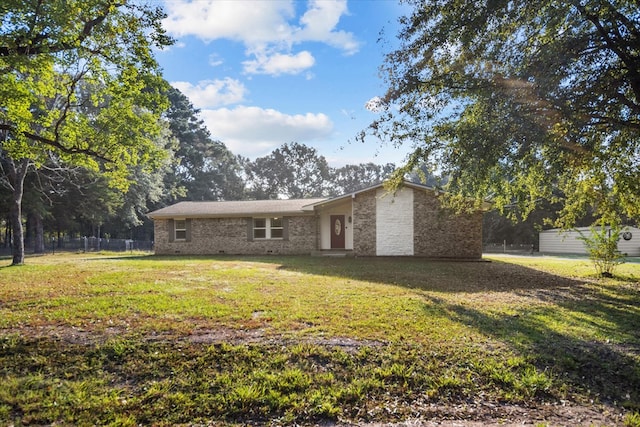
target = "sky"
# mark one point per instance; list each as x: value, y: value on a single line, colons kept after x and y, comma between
x: 268, y: 72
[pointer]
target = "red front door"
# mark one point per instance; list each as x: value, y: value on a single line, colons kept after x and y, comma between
x: 337, y: 231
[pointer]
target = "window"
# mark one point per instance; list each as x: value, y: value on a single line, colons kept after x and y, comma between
x: 276, y: 228
x: 260, y: 228
x: 180, y: 229
x: 268, y: 228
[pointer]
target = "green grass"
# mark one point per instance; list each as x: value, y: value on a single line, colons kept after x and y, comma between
x: 135, y: 339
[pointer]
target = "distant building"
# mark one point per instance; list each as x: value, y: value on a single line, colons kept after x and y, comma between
x: 557, y: 241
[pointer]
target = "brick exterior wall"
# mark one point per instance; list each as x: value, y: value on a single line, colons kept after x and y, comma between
x: 364, y: 223
x: 442, y: 234
x: 230, y: 236
x: 437, y: 233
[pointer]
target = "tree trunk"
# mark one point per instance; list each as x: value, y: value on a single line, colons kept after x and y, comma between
x: 38, y: 230
x: 29, y: 232
x: 16, y: 226
x: 7, y: 233
x: 17, y: 174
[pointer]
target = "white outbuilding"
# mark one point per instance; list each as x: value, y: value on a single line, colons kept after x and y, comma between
x: 557, y: 241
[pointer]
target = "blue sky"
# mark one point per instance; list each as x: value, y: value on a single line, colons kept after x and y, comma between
x: 268, y: 72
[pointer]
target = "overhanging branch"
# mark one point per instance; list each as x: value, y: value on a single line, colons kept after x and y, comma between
x: 56, y: 144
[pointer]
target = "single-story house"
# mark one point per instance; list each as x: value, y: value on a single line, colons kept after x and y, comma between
x: 369, y: 222
x: 557, y: 241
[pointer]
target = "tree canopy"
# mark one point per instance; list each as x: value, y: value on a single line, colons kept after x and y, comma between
x: 78, y: 83
x: 206, y: 169
x: 521, y: 102
x: 292, y: 171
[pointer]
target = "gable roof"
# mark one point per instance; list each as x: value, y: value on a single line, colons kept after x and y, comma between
x: 236, y: 208
x: 414, y: 185
x: 373, y: 187
x: 245, y: 208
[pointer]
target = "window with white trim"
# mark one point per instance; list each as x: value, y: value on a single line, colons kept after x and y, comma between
x: 180, y: 229
x: 268, y: 228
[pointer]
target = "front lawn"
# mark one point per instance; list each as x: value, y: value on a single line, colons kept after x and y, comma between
x: 137, y: 339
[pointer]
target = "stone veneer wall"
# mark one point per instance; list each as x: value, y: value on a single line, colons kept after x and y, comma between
x: 442, y: 234
x: 229, y: 235
x: 364, y: 224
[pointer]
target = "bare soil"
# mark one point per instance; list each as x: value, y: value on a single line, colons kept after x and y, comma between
x: 511, y: 416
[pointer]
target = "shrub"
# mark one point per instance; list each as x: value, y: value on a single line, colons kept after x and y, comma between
x: 602, y: 248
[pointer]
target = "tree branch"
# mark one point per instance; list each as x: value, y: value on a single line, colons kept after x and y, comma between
x: 57, y: 144
x: 628, y: 58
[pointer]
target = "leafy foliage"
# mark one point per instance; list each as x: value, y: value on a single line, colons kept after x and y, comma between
x: 602, y: 247
x: 514, y: 99
x: 632, y: 419
x: 293, y: 171
x: 89, y: 91
x: 350, y: 178
x: 205, y: 168
x: 78, y: 82
x: 298, y: 171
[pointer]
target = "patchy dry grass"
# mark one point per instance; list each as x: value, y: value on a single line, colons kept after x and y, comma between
x: 127, y: 340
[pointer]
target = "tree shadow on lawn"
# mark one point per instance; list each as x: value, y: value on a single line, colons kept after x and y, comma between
x: 430, y: 275
x: 547, y: 334
x: 608, y: 372
x: 409, y: 272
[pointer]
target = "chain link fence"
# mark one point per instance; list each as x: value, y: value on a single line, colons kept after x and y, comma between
x: 508, y: 248
x: 88, y: 244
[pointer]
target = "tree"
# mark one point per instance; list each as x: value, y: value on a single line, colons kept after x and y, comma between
x: 513, y: 100
x: 206, y: 168
x: 77, y: 80
x: 293, y: 171
x: 350, y: 178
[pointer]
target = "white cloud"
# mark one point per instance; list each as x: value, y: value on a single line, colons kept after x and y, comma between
x: 215, y: 60
x: 251, y: 22
x: 319, y: 23
x: 268, y: 29
x: 213, y: 93
x: 279, y: 63
x: 254, y: 131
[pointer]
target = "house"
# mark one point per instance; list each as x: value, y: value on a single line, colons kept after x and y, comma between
x: 369, y: 222
x: 557, y: 241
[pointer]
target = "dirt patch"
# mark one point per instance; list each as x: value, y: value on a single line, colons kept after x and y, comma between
x: 78, y: 336
x: 489, y: 415
x: 511, y: 416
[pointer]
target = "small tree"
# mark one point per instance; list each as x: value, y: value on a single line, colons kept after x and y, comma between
x: 602, y: 248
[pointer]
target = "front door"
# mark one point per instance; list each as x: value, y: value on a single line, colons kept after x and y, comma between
x: 337, y: 231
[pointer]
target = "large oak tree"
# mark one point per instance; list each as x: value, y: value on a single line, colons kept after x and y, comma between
x: 78, y: 81
x: 521, y: 101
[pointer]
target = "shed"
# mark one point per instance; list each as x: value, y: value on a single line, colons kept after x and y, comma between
x: 558, y: 241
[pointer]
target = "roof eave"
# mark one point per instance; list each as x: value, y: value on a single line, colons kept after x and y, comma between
x: 229, y: 215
